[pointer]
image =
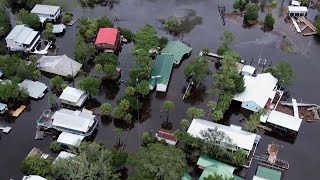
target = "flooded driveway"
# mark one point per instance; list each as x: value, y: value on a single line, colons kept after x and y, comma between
x: 204, y: 28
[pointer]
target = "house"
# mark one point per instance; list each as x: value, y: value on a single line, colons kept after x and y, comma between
x: 240, y: 139
x: 22, y: 38
x: 64, y: 155
x: 65, y: 120
x: 265, y: 173
x: 259, y: 92
x: 35, y: 89
x: 161, y: 72
x: 247, y: 70
x: 177, y: 49
x: 108, y: 39
x: 33, y: 177
x: 69, y: 139
x: 60, y: 65
x: 58, y: 28
x: 297, y: 11
x: 167, y: 136
x: 295, y: 3
x: 3, y: 108
x: 212, y: 167
x: 46, y: 12
x: 73, y: 96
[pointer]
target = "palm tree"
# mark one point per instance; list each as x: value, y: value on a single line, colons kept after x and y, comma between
x: 167, y: 107
x: 118, y: 132
x: 184, y: 124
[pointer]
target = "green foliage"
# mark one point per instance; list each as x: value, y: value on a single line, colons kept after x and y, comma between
x: 108, y: 63
x: 126, y: 33
x: 130, y: 91
x: 56, y: 82
x: 24, y: 94
x: 83, y: 51
x: 123, y: 109
x: 118, y: 159
x: 67, y: 17
x: 205, y: 50
x: 128, y: 118
x: 168, y: 106
x: 163, y: 41
x: 217, y: 177
x: 157, y: 161
x: 90, y: 85
x: 32, y: 20
x: 36, y: 165
x: 124, y: 104
x: 197, y: 70
x: 227, y: 39
x: 14, y: 66
x: 146, y: 38
x: 184, y: 123
x: 251, y: 12
x: 9, y: 91
x: 305, y: 3
x: 48, y: 32
x: 104, y: 22
x: 254, y: 120
x: 268, y: 21
x: 106, y: 109
x: 283, y: 72
x: 135, y: 104
x: 36, y: 75
x: 118, y: 113
x: 29, y: 4
x: 110, y: 71
x: 143, y: 88
x: 173, y: 24
x: 4, y: 21
x: 236, y: 5
x: 193, y: 112
x: 55, y: 147
x: 318, y: 25
x: 238, y: 157
x: 148, y: 138
x: 92, y: 161
x: 88, y: 28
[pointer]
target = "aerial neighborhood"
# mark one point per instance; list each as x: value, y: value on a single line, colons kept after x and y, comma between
x: 182, y: 90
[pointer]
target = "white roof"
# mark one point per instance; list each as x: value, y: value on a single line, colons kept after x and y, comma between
x: 64, y: 155
x: 258, y: 178
x: 295, y: 3
x: 3, y: 106
x: 60, y: 65
x: 240, y: 138
x: 22, y: 34
x: 297, y: 9
x: 74, y: 120
x: 33, y: 177
x: 58, y: 28
x: 45, y: 9
x: 258, y: 89
x: 248, y: 69
x: 74, y: 95
x: 70, y: 139
x: 284, y: 120
x: 35, y: 88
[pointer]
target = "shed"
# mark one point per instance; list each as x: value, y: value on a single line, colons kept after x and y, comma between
x: 267, y: 173
x: 3, y: 108
x: 35, y: 89
x: 212, y: 166
x: 177, y: 49
x: 107, y: 39
x: 33, y: 177
x: 283, y: 120
x: 166, y: 135
x: 161, y: 72
x: 73, y: 96
x: 60, y: 65
x: 58, y: 28
x: 297, y: 10
x: 70, y: 139
x: 248, y: 70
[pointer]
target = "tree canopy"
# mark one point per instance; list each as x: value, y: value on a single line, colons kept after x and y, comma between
x: 36, y: 165
x: 30, y: 19
x: 146, y: 38
x: 4, y: 20
x: 106, y: 109
x: 157, y: 161
x: 227, y: 39
x: 197, y: 70
x: 90, y: 85
x: 283, y: 72
x: 268, y: 21
x: 83, y: 51
x: 251, y: 12
x: 193, y: 112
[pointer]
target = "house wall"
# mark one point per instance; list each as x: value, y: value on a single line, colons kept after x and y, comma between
x: 49, y: 17
x: 244, y: 73
x: 250, y: 105
x: 67, y: 102
x: 105, y: 46
x: 14, y: 46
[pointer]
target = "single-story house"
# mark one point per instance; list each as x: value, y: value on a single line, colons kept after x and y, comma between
x: 33, y: 177
x: 259, y: 91
x: 73, y: 96
x: 35, y: 89
x: 161, y: 72
x: 212, y: 167
x: 264, y: 173
x: 166, y: 135
x: 177, y: 49
x: 247, y: 70
x: 65, y: 120
x: 46, y: 12
x: 70, y: 139
x: 240, y: 139
x: 282, y: 121
x: 3, y: 108
x: 64, y: 155
x: 22, y: 38
x: 297, y: 11
x: 108, y: 39
x: 60, y: 65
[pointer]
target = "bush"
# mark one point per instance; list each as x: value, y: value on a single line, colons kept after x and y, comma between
x: 48, y: 32
x: 163, y: 41
x: 305, y: 3
x: 173, y: 25
x: 251, y: 13
x: 32, y: 20
x: 236, y: 5
x: 268, y: 21
x: 55, y: 147
x: 127, y: 34
x: 67, y: 17
x: 34, y: 164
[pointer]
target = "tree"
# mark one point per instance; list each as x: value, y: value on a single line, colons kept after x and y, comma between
x: 251, y: 13
x: 212, y: 106
x: 92, y: 161
x: 9, y: 91
x: 25, y: 3
x: 106, y: 109
x: 67, y: 17
x: 163, y: 41
x: 227, y: 39
x: 146, y: 38
x: 128, y: 118
x: 126, y: 33
x: 104, y: 22
x: 36, y: 165
x: 148, y: 138
x: 36, y: 75
x: 305, y: 3
x: 143, y: 88
x: 318, y: 25
x: 197, y: 70
x: 238, y: 157
x: 268, y: 21
x: 106, y: 58
x: 83, y: 50
x: 236, y: 5
x: 206, y: 51
x: 173, y: 24
x: 55, y: 147
x: 56, y: 82
x: 130, y: 91
x: 118, y: 113
x: 118, y: 159
x: 283, y: 72
x: 193, y: 112
x: 48, y: 32
x: 110, y: 70
x: 118, y: 132
x: 184, y: 123
x: 4, y: 21
x: 157, y: 161
x: 30, y: 19
x: 168, y: 106
x: 90, y: 85
x: 254, y: 120
x: 124, y: 104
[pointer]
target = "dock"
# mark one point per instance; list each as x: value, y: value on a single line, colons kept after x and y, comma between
x: 73, y: 21
x: 18, y: 111
x: 5, y: 129
x: 307, y: 25
x: 277, y: 162
x: 295, y: 25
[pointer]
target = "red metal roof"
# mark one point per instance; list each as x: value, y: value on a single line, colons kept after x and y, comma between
x: 166, y: 134
x: 107, y: 35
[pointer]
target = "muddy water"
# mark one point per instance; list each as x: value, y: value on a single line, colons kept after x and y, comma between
x: 204, y: 28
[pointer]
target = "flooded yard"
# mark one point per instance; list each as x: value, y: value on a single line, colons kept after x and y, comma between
x: 203, y: 28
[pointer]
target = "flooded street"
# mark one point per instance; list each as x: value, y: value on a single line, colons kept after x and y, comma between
x: 204, y: 26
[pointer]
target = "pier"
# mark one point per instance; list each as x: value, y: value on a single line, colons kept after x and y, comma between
x: 73, y: 21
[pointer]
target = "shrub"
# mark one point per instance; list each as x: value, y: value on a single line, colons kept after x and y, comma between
x: 127, y: 34
x: 55, y: 147
x: 163, y: 41
x: 268, y: 21
x: 251, y: 13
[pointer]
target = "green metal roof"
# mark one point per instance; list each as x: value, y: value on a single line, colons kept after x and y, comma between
x: 213, y: 166
x: 177, y: 49
x: 186, y: 176
x: 268, y: 173
x: 161, y: 70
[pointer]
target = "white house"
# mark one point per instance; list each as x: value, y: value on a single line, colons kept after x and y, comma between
x: 297, y: 11
x: 247, y: 70
x: 73, y: 96
x: 241, y: 139
x: 64, y: 155
x: 70, y: 139
x: 22, y: 38
x: 35, y: 89
x: 259, y: 91
x: 46, y: 12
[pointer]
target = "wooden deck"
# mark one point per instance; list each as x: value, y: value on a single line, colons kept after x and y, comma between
x: 307, y: 25
x: 277, y: 162
x: 18, y: 111
x: 73, y: 21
